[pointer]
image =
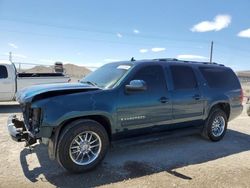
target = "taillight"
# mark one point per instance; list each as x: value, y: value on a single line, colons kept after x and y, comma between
x: 241, y: 96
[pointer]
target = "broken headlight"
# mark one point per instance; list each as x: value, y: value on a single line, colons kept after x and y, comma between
x: 35, y: 119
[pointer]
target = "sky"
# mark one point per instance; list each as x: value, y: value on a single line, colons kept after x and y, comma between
x: 92, y: 33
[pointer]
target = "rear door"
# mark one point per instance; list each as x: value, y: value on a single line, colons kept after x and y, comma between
x: 6, y: 84
x: 145, y: 108
x: 188, y: 104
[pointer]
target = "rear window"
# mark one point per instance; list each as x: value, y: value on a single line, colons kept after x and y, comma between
x: 183, y: 77
x: 3, y: 72
x: 220, y: 77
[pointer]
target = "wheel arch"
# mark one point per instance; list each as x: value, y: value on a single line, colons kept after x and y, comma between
x: 223, y: 105
x: 53, y: 142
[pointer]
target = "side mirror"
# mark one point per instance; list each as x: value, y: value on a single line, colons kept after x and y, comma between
x: 136, y: 86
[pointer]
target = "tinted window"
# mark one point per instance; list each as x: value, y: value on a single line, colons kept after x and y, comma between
x: 3, y: 72
x: 183, y: 77
x: 218, y: 77
x: 153, y: 76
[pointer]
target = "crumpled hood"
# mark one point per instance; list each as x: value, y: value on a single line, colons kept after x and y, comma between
x: 27, y: 94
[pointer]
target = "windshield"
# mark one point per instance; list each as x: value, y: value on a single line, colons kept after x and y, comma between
x: 107, y: 76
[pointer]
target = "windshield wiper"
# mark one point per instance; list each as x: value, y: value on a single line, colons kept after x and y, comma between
x: 90, y: 83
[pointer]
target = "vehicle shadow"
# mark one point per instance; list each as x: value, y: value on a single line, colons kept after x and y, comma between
x: 12, y: 108
x: 130, y: 161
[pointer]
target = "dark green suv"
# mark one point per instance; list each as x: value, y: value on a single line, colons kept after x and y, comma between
x: 79, y: 120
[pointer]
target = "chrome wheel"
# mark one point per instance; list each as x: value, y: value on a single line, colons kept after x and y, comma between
x: 85, y: 148
x: 218, y: 126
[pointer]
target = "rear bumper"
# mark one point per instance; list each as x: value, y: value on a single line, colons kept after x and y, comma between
x: 235, y: 112
x: 18, y: 132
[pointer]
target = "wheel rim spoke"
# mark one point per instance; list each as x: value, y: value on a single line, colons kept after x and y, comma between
x: 77, y: 142
x: 88, y: 157
x: 86, y: 137
x: 73, y: 152
x: 75, y: 147
x: 78, y: 155
x: 91, y: 152
x: 94, y: 146
x: 83, y: 157
x: 80, y: 138
x: 93, y: 141
x: 90, y: 137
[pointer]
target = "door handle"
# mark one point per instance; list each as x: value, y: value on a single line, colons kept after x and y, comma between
x: 164, y: 99
x: 196, y: 97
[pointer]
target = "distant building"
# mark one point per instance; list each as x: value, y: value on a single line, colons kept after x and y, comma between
x: 244, y: 76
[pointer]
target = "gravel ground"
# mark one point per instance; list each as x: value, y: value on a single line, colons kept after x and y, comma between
x: 177, y: 159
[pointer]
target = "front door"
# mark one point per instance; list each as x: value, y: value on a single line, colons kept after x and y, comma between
x: 145, y: 108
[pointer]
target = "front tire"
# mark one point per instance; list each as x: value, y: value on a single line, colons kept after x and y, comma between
x: 82, y: 145
x: 216, y: 125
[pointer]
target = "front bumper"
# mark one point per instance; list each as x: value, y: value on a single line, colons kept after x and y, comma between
x: 18, y: 132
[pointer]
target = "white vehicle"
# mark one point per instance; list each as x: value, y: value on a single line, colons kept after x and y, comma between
x: 11, y: 81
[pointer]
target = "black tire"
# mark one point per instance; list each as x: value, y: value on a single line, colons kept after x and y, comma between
x: 70, y: 133
x: 207, y: 129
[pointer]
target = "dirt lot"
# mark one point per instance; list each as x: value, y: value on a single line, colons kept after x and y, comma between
x: 180, y: 159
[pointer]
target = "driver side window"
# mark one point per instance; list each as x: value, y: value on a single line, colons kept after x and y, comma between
x: 153, y: 75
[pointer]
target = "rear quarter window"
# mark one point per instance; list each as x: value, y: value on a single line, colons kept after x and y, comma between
x: 3, y: 72
x: 218, y: 77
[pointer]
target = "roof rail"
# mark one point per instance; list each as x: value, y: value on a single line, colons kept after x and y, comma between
x: 186, y: 61
x: 166, y: 59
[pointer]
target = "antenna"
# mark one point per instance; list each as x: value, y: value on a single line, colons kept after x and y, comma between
x: 211, y: 51
x: 132, y: 59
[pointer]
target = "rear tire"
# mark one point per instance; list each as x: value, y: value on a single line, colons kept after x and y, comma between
x: 82, y: 145
x: 216, y: 125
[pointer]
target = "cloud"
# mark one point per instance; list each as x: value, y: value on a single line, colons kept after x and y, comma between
x: 143, y: 50
x: 220, y: 22
x: 119, y: 35
x: 158, y: 49
x: 190, y: 56
x: 136, y: 31
x: 244, y: 33
x: 13, y: 45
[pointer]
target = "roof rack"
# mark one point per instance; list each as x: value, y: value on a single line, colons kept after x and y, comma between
x: 166, y: 59
x: 186, y: 61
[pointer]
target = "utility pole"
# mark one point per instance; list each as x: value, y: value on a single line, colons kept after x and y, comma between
x: 10, y: 57
x: 211, y: 51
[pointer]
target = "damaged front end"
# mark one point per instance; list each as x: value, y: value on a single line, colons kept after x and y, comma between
x: 36, y: 103
x: 25, y: 130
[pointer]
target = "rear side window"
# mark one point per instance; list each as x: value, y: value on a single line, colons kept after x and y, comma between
x: 218, y: 77
x: 183, y: 77
x: 3, y: 72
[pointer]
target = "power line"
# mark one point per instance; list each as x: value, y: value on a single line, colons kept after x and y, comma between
x: 92, y: 30
x: 96, y: 40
